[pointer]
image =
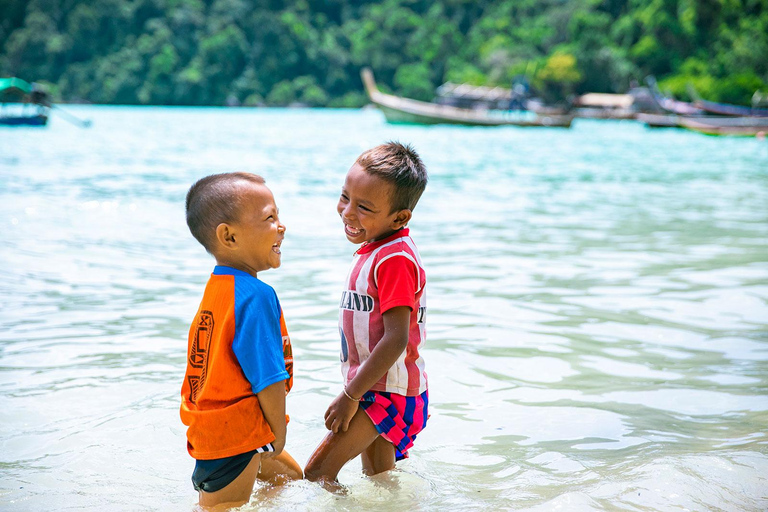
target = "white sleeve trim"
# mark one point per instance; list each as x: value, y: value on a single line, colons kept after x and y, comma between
x: 385, y: 258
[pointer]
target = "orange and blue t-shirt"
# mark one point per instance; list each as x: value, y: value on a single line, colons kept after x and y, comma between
x: 238, y: 345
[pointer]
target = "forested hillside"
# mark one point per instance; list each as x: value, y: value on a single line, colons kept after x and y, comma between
x: 210, y: 52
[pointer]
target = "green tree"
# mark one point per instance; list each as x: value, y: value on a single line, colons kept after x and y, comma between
x: 199, y: 52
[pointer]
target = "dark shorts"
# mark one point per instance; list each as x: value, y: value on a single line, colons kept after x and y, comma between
x: 215, y: 474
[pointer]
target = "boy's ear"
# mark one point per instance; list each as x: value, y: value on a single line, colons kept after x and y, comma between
x: 402, y: 218
x: 225, y: 235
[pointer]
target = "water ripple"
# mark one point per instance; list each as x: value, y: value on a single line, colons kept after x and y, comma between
x: 597, y: 317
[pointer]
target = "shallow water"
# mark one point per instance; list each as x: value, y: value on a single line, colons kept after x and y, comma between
x: 598, y: 322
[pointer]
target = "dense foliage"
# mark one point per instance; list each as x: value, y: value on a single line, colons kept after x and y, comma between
x: 211, y: 52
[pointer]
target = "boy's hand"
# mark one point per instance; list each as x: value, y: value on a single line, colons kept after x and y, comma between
x: 340, y: 413
x: 279, y: 445
x: 383, y: 356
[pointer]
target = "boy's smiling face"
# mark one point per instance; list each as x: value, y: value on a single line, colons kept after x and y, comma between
x: 365, y: 207
x: 252, y: 242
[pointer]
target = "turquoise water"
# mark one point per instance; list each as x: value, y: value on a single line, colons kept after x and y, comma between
x: 597, y: 331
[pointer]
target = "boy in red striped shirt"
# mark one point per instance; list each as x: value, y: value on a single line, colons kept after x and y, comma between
x: 383, y: 405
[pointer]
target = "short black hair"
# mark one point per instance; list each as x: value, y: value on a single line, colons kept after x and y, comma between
x: 400, y: 165
x: 213, y: 200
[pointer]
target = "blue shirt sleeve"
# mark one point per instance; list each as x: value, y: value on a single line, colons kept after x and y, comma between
x: 258, y: 343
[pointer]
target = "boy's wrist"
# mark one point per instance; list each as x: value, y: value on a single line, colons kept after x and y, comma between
x: 344, y: 390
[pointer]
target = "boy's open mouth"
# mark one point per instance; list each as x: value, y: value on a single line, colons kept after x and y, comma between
x: 276, y: 247
x: 352, y: 231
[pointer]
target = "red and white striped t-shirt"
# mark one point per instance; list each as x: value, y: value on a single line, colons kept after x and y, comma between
x: 385, y: 274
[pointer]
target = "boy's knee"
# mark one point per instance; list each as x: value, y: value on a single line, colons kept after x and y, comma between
x: 294, y: 473
x: 312, y: 473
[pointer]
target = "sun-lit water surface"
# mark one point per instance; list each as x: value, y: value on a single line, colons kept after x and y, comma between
x: 597, y: 328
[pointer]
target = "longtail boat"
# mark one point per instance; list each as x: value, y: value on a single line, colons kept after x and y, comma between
x: 733, y: 120
x: 22, y: 103
x: 717, y: 125
x: 409, y: 111
x: 725, y: 109
x: 709, y: 125
x: 671, y: 105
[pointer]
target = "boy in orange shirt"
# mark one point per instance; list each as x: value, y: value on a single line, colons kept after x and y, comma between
x: 239, y: 359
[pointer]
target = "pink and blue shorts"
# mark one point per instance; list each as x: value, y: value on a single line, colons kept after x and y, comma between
x: 398, y: 418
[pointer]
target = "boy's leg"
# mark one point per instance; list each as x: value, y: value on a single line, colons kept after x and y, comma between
x: 339, y: 448
x: 280, y: 469
x: 237, y: 492
x: 378, y: 457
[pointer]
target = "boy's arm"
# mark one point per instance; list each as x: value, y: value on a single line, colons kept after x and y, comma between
x: 383, y: 356
x: 272, y: 401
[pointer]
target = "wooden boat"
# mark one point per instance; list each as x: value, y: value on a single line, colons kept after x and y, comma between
x: 671, y: 105
x: 670, y: 110
x: 725, y: 109
x: 692, y: 117
x: 710, y: 125
x: 22, y: 103
x: 410, y: 111
x: 738, y: 126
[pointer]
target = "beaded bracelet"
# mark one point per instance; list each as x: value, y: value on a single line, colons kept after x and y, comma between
x: 348, y: 396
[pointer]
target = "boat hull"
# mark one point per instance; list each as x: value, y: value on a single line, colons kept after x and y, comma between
x: 37, y: 120
x: 709, y: 125
x: 725, y: 109
x: 605, y: 113
x: 736, y: 126
x: 659, y: 120
x: 470, y: 118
